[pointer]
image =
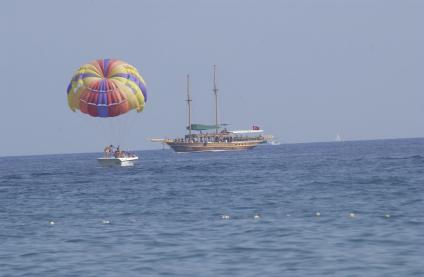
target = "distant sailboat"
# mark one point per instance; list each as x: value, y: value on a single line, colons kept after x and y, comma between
x: 338, y: 137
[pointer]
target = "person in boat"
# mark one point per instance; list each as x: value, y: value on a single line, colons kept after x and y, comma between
x: 117, y: 153
x: 108, y: 150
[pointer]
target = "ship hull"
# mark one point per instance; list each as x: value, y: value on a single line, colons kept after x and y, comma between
x: 211, y: 146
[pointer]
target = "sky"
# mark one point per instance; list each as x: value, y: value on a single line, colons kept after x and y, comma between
x: 302, y: 70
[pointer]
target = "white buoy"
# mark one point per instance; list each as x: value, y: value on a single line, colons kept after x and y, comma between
x: 225, y: 216
x: 352, y: 214
x: 51, y: 222
x: 104, y: 221
x: 257, y: 216
x: 288, y: 215
x: 318, y: 214
x: 387, y: 216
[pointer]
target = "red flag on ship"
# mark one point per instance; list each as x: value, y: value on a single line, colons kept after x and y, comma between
x: 255, y: 127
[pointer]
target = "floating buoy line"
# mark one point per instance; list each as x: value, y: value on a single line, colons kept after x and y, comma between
x: 317, y: 214
x: 256, y: 216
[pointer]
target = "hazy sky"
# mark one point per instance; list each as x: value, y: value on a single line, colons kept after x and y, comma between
x: 302, y: 70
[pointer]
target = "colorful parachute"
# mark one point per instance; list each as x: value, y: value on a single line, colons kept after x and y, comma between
x: 106, y: 88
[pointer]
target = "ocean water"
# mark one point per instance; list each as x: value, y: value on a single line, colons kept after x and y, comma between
x: 323, y: 209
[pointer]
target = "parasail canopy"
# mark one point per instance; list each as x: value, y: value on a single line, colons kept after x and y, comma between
x: 107, y: 88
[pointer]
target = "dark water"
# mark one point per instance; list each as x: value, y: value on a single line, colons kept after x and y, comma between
x: 164, y: 215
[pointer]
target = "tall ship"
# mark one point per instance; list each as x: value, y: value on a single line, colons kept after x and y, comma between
x: 216, y: 137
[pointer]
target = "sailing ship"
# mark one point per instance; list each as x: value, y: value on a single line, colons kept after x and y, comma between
x: 216, y: 137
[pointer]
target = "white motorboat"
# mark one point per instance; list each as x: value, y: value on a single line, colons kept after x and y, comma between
x: 122, y: 161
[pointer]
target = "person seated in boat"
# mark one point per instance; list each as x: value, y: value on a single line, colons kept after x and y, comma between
x: 108, y: 150
x: 117, y: 153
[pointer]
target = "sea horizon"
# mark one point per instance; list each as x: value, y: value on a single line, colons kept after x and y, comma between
x: 167, y: 148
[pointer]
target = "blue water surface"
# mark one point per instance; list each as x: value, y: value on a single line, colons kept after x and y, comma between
x: 323, y: 209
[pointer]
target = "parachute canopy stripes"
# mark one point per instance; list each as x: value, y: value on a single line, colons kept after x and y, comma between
x: 106, y: 88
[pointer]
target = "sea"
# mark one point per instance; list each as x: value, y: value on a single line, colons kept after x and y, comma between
x: 351, y: 208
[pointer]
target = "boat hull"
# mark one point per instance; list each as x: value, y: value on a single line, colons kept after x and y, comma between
x: 211, y: 146
x: 128, y: 161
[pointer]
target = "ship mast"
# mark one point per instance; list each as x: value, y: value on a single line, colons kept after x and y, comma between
x: 189, y: 104
x: 215, y: 90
